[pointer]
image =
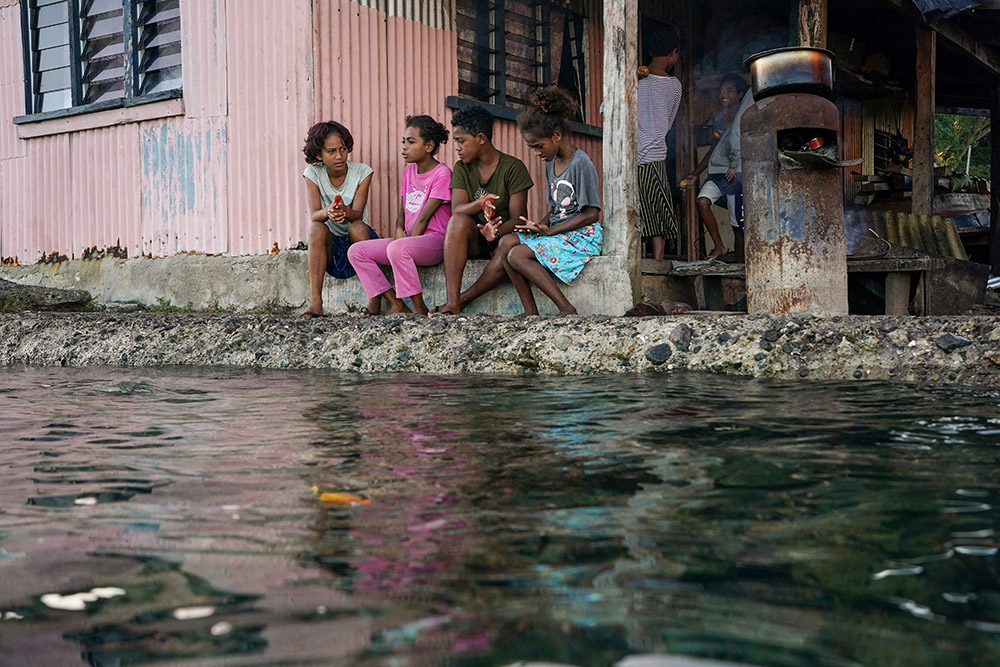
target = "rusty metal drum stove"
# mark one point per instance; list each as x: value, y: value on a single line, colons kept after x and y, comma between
x: 792, y: 192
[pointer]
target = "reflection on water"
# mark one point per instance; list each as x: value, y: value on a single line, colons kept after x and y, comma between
x: 175, y: 515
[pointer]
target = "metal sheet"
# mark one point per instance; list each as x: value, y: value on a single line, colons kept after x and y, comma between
x: 33, y: 221
x: 392, y: 68
x: 433, y: 14
x: 184, y: 186
x: 105, y: 189
x: 204, y: 40
x: 401, y: 67
x: 270, y: 65
x: 11, y: 81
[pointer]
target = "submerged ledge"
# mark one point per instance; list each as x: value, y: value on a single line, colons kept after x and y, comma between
x: 952, y: 350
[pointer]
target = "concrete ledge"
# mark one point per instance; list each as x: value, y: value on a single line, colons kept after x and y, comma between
x: 271, y: 282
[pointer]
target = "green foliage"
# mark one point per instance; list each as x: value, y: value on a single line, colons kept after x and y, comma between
x: 166, y: 306
x: 953, y: 135
x: 15, y: 305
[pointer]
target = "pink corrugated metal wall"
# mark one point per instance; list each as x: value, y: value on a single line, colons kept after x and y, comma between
x: 104, y: 201
x: 226, y: 176
x: 270, y: 65
x: 402, y: 60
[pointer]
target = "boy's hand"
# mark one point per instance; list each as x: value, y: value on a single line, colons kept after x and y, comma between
x: 643, y: 71
x: 489, y: 206
x: 490, y: 230
x: 532, y: 227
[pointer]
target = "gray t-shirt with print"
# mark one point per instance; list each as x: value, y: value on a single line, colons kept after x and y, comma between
x: 356, y: 173
x: 572, y: 189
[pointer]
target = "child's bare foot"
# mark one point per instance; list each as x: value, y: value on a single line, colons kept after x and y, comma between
x: 398, y: 308
x: 315, y: 309
x: 447, y: 309
x: 567, y: 311
x: 373, y: 307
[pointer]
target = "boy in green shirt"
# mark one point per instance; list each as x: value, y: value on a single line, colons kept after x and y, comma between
x: 483, y: 175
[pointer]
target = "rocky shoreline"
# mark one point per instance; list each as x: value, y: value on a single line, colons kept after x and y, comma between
x: 949, y: 350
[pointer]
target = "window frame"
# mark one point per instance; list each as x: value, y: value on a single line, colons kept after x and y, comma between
x: 488, y: 54
x: 131, y: 79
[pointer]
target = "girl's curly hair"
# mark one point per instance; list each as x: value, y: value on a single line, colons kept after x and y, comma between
x: 430, y: 130
x: 317, y: 137
x: 550, y: 108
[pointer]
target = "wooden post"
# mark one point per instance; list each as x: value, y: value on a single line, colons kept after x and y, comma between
x: 995, y: 179
x: 622, y: 224
x: 923, y: 130
x: 812, y: 23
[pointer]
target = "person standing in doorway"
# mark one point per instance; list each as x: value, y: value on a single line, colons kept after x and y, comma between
x: 659, y: 98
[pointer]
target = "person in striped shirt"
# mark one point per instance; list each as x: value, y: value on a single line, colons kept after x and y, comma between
x: 659, y: 98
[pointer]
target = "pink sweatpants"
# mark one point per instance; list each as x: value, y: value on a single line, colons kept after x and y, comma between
x: 404, y: 255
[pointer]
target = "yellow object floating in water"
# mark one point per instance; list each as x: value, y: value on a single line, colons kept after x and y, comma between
x: 343, y: 499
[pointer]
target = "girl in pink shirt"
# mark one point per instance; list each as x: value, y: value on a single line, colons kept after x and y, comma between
x: 420, y: 227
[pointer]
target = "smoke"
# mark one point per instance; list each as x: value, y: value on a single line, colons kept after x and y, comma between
x: 731, y: 39
x: 858, y: 223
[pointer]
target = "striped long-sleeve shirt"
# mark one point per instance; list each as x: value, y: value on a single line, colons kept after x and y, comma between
x: 659, y: 100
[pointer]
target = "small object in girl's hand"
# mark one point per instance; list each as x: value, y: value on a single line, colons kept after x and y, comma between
x: 343, y: 499
x: 338, y: 201
x: 489, y: 208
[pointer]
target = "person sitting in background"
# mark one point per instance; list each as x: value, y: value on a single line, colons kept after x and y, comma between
x: 724, y: 185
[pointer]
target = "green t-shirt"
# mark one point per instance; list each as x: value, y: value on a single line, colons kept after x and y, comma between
x: 510, y: 177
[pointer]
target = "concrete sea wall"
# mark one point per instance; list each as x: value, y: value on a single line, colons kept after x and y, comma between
x: 957, y: 350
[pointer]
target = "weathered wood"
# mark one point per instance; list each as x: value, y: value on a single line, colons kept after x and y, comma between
x: 955, y: 37
x: 897, y: 293
x: 923, y: 130
x: 995, y: 179
x: 656, y: 267
x: 708, y: 292
x: 622, y: 224
x: 812, y: 23
x: 41, y: 298
x: 854, y: 265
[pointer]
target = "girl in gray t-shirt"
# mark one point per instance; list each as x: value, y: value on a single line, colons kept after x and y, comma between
x: 337, y: 190
x: 561, y: 246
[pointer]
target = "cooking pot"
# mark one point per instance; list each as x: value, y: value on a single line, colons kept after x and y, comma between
x: 794, y: 69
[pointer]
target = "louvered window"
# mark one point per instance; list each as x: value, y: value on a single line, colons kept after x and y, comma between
x: 508, y: 48
x: 84, y: 55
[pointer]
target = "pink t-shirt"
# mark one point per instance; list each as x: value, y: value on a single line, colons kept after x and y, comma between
x: 417, y: 188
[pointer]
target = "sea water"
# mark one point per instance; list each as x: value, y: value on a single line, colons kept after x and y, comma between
x: 178, y: 516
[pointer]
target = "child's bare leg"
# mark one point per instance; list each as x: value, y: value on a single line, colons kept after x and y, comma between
x: 396, y: 304
x: 320, y: 243
x: 523, y: 260
x: 460, y: 239
x: 521, y: 283
x: 712, y: 225
x: 418, y: 303
x: 491, y: 276
x: 741, y: 249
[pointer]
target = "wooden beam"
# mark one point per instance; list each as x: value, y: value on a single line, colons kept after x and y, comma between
x: 622, y: 224
x: 923, y: 124
x: 995, y: 180
x: 954, y: 37
x: 812, y: 22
